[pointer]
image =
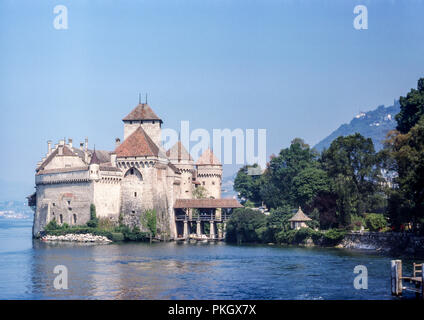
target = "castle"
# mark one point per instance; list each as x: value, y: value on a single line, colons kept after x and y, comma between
x: 138, y: 175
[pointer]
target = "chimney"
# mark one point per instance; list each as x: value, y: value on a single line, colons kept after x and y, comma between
x: 81, y: 146
x: 117, y: 142
x: 60, y: 149
x: 113, y: 159
x: 49, y: 147
x: 62, y: 142
x: 86, y: 144
x: 70, y: 143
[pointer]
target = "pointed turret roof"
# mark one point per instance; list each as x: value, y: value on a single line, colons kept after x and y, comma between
x: 138, y: 144
x: 300, y: 216
x: 94, y: 159
x: 208, y: 158
x: 142, y: 112
x: 178, y: 152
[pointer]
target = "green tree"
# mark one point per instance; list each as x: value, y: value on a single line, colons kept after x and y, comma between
x: 243, y: 226
x: 200, y: 192
x: 285, y: 181
x: 148, y: 221
x: 247, y: 183
x: 404, y: 155
x: 355, y: 175
x: 94, y: 221
x: 411, y: 108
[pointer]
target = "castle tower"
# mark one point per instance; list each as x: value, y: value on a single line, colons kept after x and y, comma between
x: 143, y: 116
x: 94, y: 167
x: 209, y: 173
x: 180, y: 158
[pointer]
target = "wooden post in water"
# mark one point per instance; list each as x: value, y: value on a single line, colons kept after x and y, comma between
x: 396, y: 277
x: 422, y: 281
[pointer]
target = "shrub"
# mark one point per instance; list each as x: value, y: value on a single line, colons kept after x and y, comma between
x: 94, y: 221
x: 117, y: 236
x: 375, y: 221
x: 148, y: 221
x: 333, y: 237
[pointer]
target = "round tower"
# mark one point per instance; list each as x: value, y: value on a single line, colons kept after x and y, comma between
x: 209, y: 173
x: 180, y: 158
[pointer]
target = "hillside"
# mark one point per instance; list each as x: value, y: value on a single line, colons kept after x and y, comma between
x: 372, y: 124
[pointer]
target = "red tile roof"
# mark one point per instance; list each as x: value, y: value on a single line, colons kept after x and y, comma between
x: 208, y: 158
x: 142, y: 112
x: 206, y: 203
x: 138, y: 144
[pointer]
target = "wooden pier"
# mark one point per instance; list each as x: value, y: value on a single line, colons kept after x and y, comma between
x: 415, y: 282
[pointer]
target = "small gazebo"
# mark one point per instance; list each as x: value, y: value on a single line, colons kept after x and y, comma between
x: 299, y: 220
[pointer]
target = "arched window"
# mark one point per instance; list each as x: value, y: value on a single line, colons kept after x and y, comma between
x: 60, y: 219
x: 133, y: 173
x: 75, y: 218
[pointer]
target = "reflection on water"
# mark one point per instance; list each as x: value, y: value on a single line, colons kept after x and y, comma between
x: 182, y: 271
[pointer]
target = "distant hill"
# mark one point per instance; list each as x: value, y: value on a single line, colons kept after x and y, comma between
x: 373, y: 124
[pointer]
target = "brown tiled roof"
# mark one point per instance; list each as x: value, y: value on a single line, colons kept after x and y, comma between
x: 178, y: 152
x: 138, y: 144
x: 206, y: 203
x: 141, y: 112
x: 300, y: 216
x: 208, y: 158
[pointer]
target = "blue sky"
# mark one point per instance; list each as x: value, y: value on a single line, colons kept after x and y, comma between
x: 296, y: 68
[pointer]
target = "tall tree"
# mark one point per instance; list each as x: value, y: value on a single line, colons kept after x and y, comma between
x: 406, y: 158
x: 353, y: 167
x: 411, y: 108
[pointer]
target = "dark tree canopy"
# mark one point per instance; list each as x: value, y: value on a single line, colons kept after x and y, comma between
x: 411, y: 108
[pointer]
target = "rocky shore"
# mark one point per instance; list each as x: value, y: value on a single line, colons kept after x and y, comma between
x: 77, y: 238
x: 396, y: 243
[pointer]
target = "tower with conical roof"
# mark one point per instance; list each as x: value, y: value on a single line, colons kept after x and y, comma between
x: 143, y: 116
x: 181, y: 159
x: 209, y: 173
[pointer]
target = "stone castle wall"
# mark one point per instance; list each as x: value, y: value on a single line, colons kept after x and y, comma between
x: 67, y: 203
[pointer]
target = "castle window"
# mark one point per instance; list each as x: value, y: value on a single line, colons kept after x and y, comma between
x: 133, y: 211
x: 70, y: 209
x: 69, y: 202
x: 75, y: 218
x: 132, y: 171
x: 203, y: 182
x: 60, y: 219
x: 135, y: 194
x: 54, y: 204
x: 213, y: 183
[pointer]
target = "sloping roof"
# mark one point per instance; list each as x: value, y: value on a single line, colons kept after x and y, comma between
x: 300, y: 216
x: 66, y: 152
x: 138, y: 144
x: 141, y: 112
x: 206, y: 203
x: 178, y: 152
x: 94, y: 159
x: 208, y: 158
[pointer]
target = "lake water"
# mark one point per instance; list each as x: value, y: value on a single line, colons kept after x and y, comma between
x: 182, y: 271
